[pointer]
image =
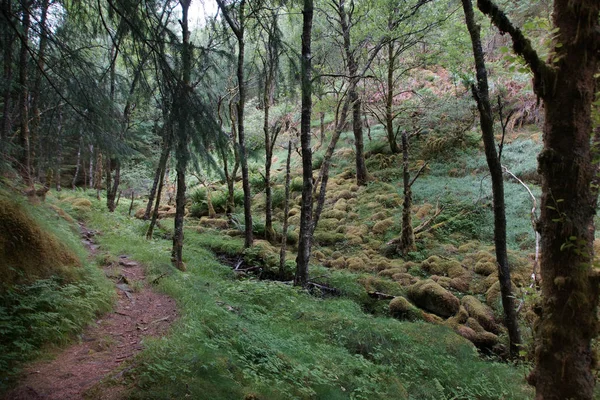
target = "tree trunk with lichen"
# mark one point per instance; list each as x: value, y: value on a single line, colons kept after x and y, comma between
x: 482, y: 97
x: 568, y: 322
x: 407, y: 236
x: 306, y: 211
x: 182, y: 152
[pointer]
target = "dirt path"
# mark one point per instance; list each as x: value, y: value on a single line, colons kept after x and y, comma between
x: 105, y: 344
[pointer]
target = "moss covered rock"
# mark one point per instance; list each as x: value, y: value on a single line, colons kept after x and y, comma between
x: 481, y: 313
x: 430, y: 296
x: 382, y: 227
x: 28, y: 251
x: 402, y: 309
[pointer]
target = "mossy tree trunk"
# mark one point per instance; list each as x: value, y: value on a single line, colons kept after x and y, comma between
x: 37, y: 84
x: 306, y: 211
x: 389, y: 99
x: 270, y: 65
x: 345, y: 21
x: 24, y: 133
x: 323, y: 177
x: 182, y: 152
x: 407, y: 236
x: 7, y: 44
x: 481, y: 95
x: 568, y: 322
x: 286, y: 210
x: 238, y: 28
x: 160, y: 171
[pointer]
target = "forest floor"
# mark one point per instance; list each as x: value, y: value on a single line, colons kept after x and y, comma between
x: 106, y: 346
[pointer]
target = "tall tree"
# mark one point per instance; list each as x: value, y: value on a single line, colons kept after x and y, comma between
x: 238, y: 28
x: 181, y: 106
x: 7, y: 68
x: 486, y: 120
x: 24, y: 134
x: 306, y: 211
x: 271, y: 39
x: 566, y: 82
x: 345, y: 19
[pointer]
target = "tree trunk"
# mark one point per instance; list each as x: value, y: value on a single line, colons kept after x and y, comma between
x: 131, y: 204
x: 286, y: 210
x: 59, y: 151
x: 91, y: 173
x: 7, y: 43
x: 161, y: 180
x: 568, y: 321
x: 324, y: 171
x: 305, y: 240
x: 481, y: 94
x: 37, y: 86
x: 182, y: 152
x: 111, y: 191
x: 407, y: 236
x: 248, y: 237
x: 238, y: 29
x: 24, y: 136
x: 269, y: 232
x: 389, y: 100
x: 361, y: 167
x: 160, y: 171
x: 78, y: 162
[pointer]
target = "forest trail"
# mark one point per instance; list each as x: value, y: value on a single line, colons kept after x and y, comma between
x: 106, y: 344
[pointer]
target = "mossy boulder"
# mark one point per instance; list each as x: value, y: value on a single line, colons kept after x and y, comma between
x: 402, y: 309
x: 436, y: 265
x: 481, y: 313
x: 337, y: 214
x: 481, y: 340
x: 492, y: 297
x: 485, y: 267
x: 341, y: 205
x: 431, y: 297
x: 217, y: 223
x: 28, y: 251
x: 139, y: 214
x: 382, y: 227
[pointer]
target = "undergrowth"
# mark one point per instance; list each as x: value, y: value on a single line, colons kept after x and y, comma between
x: 241, y: 338
x: 48, y: 311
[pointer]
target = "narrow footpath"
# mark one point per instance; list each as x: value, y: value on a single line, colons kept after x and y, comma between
x: 106, y: 347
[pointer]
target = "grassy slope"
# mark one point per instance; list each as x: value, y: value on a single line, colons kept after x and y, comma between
x: 52, y: 301
x: 242, y: 337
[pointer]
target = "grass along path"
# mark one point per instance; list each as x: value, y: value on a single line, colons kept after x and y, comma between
x: 106, y: 344
x: 241, y: 338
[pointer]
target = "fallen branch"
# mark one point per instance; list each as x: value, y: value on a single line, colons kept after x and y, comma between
x: 425, y: 226
x: 534, y: 219
x: 381, y: 296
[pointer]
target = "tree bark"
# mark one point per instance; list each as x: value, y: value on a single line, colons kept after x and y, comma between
x: 182, y: 152
x: 78, y: 162
x: 481, y: 94
x: 7, y: 69
x: 286, y: 210
x: 159, y: 189
x: 238, y: 30
x: 407, y: 236
x: 160, y: 171
x: 357, y: 128
x: 59, y: 151
x: 305, y: 240
x: 24, y: 135
x: 37, y: 85
x: 566, y: 84
x: 324, y: 171
x: 389, y: 100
